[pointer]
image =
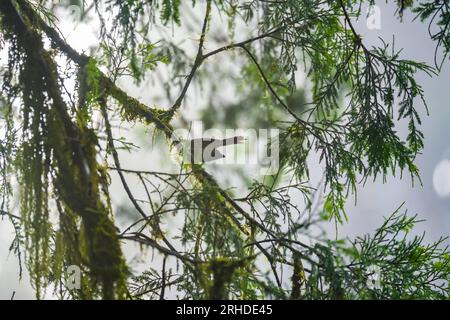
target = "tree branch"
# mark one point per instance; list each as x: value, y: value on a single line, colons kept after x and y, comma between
x: 115, y: 155
x: 197, y: 62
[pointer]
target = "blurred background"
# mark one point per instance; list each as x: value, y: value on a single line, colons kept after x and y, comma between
x: 375, y: 200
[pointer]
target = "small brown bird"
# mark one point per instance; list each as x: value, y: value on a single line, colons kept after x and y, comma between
x: 205, y: 149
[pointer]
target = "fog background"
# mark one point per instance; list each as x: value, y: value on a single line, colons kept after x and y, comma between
x: 375, y: 199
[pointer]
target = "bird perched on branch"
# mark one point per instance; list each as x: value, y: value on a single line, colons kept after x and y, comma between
x: 205, y: 149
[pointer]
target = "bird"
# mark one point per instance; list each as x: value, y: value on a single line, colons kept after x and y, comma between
x: 203, y: 150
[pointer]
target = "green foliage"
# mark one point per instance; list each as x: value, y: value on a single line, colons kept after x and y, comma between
x: 170, y: 11
x: 405, y: 267
x: 229, y: 245
x: 438, y: 15
x: 57, y: 165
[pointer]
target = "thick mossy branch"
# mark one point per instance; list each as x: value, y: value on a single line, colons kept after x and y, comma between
x: 220, y: 271
x: 133, y: 110
x: 55, y: 145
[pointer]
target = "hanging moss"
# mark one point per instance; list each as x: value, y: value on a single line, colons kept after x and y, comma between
x: 298, y: 277
x: 215, y: 275
x: 58, y: 155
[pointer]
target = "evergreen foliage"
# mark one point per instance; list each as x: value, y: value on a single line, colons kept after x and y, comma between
x: 228, y: 246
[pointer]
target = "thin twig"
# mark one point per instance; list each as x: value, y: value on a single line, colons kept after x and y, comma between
x: 197, y: 62
x: 115, y: 155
